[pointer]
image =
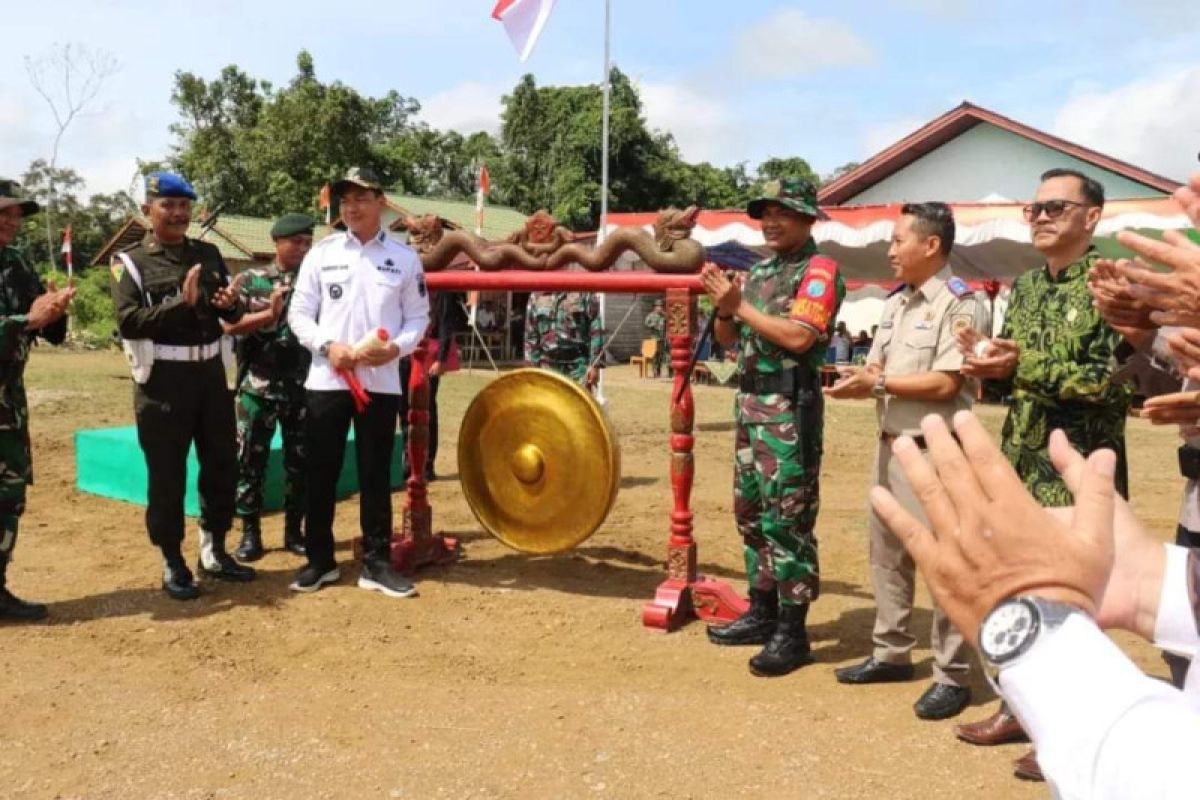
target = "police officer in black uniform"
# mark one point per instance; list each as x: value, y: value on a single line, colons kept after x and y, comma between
x: 171, y: 294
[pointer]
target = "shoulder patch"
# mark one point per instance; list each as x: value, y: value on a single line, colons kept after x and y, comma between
x: 959, y: 287
x: 900, y: 288
x: 116, y: 269
x: 823, y: 262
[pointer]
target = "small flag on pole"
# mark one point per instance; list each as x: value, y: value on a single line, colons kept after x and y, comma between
x: 66, y: 250
x: 523, y: 21
x: 324, y: 202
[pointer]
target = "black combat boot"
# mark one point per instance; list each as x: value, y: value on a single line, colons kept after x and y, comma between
x: 753, y: 627
x: 251, y: 546
x: 178, y: 581
x: 788, y: 648
x: 293, y: 534
x: 13, y: 608
x: 216, y: 563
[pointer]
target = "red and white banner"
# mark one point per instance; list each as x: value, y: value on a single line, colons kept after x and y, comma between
x: 523, y: 21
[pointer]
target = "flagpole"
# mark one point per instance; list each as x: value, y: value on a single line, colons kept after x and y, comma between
x: 600, y: 234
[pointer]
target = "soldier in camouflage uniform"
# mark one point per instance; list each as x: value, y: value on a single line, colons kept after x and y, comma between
x: 780, y: 322
x: 656, y: 323
x: 272, y: 367
x: 1055, y: 356
x: 27, y: 310
x: 564, y: 333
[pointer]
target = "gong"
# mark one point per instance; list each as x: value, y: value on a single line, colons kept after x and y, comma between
x: 538, y: 461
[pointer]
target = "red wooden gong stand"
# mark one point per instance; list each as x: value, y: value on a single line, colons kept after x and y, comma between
x: 684, y: 593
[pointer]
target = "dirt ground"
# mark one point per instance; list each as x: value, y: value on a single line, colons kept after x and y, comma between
x: 509, y: 676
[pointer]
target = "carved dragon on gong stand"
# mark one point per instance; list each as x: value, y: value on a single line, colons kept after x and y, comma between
x: 543, y: 244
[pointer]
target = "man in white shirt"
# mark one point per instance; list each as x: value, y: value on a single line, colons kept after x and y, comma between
x: 350, y: 285
x: 1032, y: 587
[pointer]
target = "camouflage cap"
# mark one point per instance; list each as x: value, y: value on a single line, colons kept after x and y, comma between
x: 291, y: 224
x: 795, y: 193
x: 358, y: 176
x: 10, y: 195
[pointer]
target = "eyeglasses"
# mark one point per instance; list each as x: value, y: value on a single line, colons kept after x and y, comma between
x: 1053, y: 209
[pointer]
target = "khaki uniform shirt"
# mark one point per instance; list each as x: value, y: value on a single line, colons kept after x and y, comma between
x: 916, y: 334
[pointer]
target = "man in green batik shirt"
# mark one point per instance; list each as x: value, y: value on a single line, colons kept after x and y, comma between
x: 780, y: 322
x: 1055, y: 357
x: 272, y: 367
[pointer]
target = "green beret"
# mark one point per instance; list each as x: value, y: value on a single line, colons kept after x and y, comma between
x: 291, y: 224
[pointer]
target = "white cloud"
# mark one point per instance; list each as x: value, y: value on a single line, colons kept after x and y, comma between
x: 466, y: 108
x: 704, y: 126
x: 881, y: 137
x: 789, y: 43
x: 1153, y: 123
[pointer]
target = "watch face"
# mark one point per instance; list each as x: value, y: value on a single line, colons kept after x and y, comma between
x: 1006, y: 629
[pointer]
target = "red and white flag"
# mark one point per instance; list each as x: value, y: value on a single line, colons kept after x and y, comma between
x: 66, y: 251
x: 485, y: 186
x: 523, y: 21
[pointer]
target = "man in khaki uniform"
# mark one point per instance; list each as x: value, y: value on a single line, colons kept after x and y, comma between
x: 912, y: 371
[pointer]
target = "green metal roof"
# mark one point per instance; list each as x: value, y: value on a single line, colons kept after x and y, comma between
x: 498, y: 221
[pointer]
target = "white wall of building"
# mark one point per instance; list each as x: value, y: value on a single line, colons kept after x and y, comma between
x: 983, y: 163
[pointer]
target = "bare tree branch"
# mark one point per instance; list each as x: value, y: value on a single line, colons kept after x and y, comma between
x: 68, y: 77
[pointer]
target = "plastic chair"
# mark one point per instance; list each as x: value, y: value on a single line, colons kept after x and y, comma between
x: 646, y: 359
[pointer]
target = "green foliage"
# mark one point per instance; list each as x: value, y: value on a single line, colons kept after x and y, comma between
x: 93, y: 316
x: 795, y: 167
x: 262, y: 151
x: 92, y: 224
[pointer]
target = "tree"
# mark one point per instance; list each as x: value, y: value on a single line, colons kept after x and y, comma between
x: 794, y: 167
x: 92, y: 224
x: 849, y: 166
x: 68, y: 77
x: 262, y: 151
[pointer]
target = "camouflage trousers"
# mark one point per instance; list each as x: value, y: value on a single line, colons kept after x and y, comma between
x: 661, y: 357
x: 15, y: 474
x: 256, y: 420
x: 575, y: 368
x: 776, y: 497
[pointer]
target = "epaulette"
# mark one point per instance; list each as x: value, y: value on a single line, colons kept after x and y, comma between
x: 899, y: 288
x: 959, y: 287
x: 823, y: 262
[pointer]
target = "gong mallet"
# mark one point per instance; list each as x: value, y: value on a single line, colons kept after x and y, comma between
x: 704, y: 337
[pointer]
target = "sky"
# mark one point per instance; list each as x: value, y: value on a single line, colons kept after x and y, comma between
x: 733, y: 82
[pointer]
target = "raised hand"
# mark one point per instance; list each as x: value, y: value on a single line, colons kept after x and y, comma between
x: 990, y: 540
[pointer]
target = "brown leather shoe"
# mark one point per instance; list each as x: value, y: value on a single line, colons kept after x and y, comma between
x: 1027, y: 768
x: 1000, y: 728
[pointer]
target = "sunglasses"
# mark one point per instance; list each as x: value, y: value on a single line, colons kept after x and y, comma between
x: 1052, y: 208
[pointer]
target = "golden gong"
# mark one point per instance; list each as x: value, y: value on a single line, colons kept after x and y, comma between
x: 538, y: 462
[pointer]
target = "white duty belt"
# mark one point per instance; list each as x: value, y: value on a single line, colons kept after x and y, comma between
x: 199, y: 352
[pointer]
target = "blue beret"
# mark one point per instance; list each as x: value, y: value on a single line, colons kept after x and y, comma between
x: 166, y: 184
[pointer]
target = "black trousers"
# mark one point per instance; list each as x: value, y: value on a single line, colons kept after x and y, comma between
x: 405, y: 375
x: 330, y: 415
x: 1179, y: 664
x: 186, y: 402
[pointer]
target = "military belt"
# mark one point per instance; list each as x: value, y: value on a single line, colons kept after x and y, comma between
x: 788, y: 382
x: 566, y: 353
x: 1189, y: 462
x: 198, y: 352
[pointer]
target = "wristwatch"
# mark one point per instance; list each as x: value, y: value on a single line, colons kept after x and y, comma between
x: 323, y: 350
x: 879, y: 390
x: 1012, y: 628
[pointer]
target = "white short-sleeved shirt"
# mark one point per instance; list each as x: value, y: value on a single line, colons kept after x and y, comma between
x: 344, y: 290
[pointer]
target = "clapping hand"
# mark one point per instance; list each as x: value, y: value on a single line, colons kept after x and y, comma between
x: 987, y: 358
